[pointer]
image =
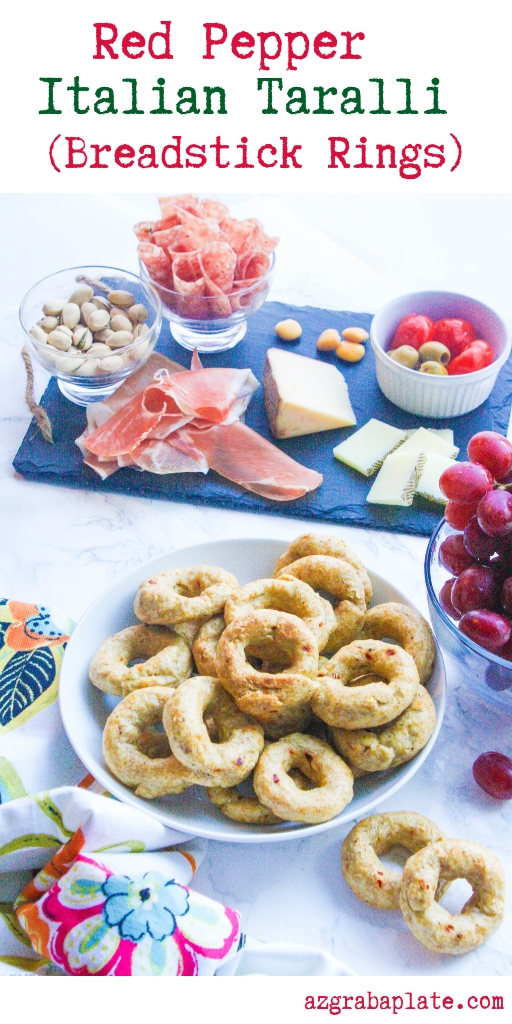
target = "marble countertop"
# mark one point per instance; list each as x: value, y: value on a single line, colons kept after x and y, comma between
x: 64, y: 547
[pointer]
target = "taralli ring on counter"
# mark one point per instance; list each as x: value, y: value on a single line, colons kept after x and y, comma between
x: 404, y: 626
x: 436, y: 928
x: 167, y: 660
x: 130, y: 720
x: 240, y: 741
x: 284, y: 595
x: 204, y: 647
x: 338, y: 578
x: 366, y: 704
x: 362, y: 868
x: 393, y: 744
x: 180, y: 595
x: 318, y: 762
x: 246, y: 809
x: 271, y: 636
x: 322, y: 544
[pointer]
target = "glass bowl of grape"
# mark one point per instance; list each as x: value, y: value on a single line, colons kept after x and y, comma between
x: 468, y: 570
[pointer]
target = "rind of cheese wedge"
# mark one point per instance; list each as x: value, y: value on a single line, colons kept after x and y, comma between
x: 303, y: 395
x: 425, y: 440
x: 428, y: 483
x: 368, y: 447
x: 397, y: 479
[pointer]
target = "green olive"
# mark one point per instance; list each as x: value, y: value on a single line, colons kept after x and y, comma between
x: 406, y: 355
x: 436, y: 351
x: 435, y: 368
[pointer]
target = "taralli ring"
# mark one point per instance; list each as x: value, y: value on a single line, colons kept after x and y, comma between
x: 317, y: 761
x: 167, y: 660
x: 129, y: 724
x: 338, y: 578
x: 404, y: 626
x: 270, y: 636
x: 180, y: 595
x: 246, y: 809
x: 284, y: 595
x: 204, y: 647
x: 362, y: 868
x: 321, y: 544
x: 240, y: 740
x: 362, y: 706
x: 435, y: 927
x: 396, y: 743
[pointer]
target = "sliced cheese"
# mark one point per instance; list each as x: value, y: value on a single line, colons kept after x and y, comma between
x: 424, y: 440
x: 367, y: 448
x: 397, y: 478
x: 303, y: 396
x: 444, y: 432
x: 428, y: 483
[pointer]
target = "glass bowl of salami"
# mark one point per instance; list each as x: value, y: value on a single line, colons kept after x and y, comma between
x: 211, y: 271
x: 91, y: 327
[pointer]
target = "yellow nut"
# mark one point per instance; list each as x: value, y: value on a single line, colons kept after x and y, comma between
x: 350, y: 352
x: 355, y: 335
x: 328, y: 340
x: 288, y: 330
x: 435, y: 368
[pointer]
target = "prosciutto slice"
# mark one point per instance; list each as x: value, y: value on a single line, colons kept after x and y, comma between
x: 151, y: 414
x: 216, y: 394
x: 244, y: 457
x: 161, y: 457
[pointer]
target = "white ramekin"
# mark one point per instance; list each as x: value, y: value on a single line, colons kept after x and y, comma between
x: 425, y: 394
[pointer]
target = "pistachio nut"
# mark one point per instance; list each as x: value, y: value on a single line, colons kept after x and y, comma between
x: 101, y: 302
x: 59, y: 340
x: 54, y: 307
x: 64, y: 330
x: 39, y: 335
x: 71, y: 315
x: 48, y: 323
x: 98, y: 349
x: 121, y: 323
x: 103, y: 335
x: 119, y: 339
x: 82, y: 338
x: 68, y: 364
x: 140, y: 330
x: 118, y: 297
x: 139, y: 350
x: 88, y: 368
x: 111, y: 364
x: 98, y: 320
x: 138, y: 313
x: 86, y: 310
x: 83, y: 293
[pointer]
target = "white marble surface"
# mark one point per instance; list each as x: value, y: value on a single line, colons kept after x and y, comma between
x: 63, y: 546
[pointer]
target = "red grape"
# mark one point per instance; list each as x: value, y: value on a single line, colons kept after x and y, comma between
x: 457, y: 514
x: 493, y: 773
x: 466, y: 482
x: 492, y: 451
x: 506, y: 596
x: 476, y: 587
x: 453, y: 555
x: 495, y: 513
x: 445, y: 599
x: 478, y: 543
x: 488, y: 629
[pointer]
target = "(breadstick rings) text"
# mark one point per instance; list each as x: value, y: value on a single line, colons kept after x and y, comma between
x: 180, y: 595
x: 317, y: 761
x: 366, y: 705
x: 362, y: 868
x: 435, y: 927
x: 167, y: 660
x: 240, y: 740
x: 404, y: 626
x: 125, y: 728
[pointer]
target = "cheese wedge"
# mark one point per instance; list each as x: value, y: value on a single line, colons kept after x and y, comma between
x: 429, y: 441
x: 367, y: 448
x: 397, y: 479
x: 303, y: 396
x: 428, y: 483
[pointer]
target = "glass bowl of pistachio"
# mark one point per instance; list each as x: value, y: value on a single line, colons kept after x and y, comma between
x: 91, y: 327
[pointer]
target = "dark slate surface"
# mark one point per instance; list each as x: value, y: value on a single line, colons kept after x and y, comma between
x: 342, y: 496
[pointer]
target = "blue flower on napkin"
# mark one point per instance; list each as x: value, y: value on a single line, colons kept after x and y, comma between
x: 148, y: 905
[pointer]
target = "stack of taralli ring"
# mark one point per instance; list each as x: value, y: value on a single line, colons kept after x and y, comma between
x: 434, y: 863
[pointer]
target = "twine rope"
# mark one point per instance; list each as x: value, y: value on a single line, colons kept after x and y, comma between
x: 37, y: 411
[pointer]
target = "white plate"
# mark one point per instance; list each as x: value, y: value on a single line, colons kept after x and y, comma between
x: 85, y: 709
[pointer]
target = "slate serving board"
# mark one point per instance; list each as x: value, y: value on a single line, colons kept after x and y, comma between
x: 342, y: 496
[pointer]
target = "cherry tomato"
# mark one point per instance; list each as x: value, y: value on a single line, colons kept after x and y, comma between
x: 454, y: 333
x: 476, y: 356
x: 413, y: 330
